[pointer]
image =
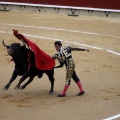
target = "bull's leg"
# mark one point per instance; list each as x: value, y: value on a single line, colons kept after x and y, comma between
x: 29, y: 81
x: 14, y: 75
x: 50, y: 75
x: 25, y: 75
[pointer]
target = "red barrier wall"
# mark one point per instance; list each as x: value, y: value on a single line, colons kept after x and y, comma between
x: 105, y: 4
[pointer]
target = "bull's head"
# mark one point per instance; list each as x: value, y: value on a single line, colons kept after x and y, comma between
x: 14, y: 48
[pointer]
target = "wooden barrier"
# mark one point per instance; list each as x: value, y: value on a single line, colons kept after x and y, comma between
x: 69, y: 10
x: 103, y: 4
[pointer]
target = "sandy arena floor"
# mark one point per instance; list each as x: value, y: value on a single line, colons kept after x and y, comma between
x: 99, y: 70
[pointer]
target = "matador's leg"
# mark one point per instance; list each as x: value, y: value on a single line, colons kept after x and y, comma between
x: 77, y: 80
x: 68, y: 80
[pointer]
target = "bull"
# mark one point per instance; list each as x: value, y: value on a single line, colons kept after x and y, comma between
x: 20, y: 55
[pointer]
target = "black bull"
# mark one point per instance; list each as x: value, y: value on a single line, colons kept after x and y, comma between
x: 20, y: 56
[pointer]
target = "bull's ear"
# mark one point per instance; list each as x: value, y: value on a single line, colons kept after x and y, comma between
x: 7, y: 46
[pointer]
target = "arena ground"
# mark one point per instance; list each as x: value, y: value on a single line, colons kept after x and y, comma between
x: 98, y: 69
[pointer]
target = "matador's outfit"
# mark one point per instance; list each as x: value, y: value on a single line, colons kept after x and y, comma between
x: 65, y: 57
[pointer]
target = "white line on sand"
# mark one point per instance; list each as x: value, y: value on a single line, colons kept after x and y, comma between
x: 113, y: 117
x: 94, y: 47
x: 61, y: 29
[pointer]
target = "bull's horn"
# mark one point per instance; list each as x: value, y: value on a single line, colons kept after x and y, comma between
x: 23, y: 42
x: 5, y: 44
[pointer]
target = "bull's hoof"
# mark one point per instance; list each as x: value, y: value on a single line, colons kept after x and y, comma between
x: 22, y: 88
x: 5, y: 88
x: 51, y: 92
x: 17, y: 88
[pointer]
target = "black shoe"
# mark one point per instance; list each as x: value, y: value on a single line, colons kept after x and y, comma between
x: 81, y: 93
x: 59, y: 95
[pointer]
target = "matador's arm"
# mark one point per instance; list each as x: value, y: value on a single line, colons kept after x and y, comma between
x: 72, y: 48
x: 59, y: 66
x: 59, y: 59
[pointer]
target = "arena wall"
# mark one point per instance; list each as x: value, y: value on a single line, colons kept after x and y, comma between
x: 108, y: 8
x: 105, y: 4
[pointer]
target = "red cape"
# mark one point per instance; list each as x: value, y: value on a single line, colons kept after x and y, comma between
x: 42, y: 60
